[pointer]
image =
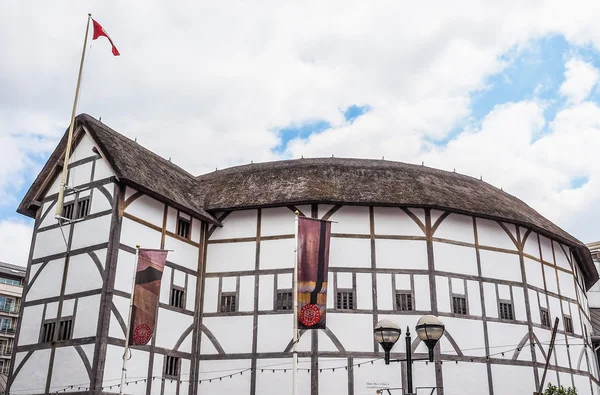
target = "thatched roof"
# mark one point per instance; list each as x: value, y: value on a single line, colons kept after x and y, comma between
x: 134, y: 165
x: 305, y: 181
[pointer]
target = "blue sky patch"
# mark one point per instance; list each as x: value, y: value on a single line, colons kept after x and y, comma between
x: 299, y: 131
x: 354, y: 112
x: 579, y: 181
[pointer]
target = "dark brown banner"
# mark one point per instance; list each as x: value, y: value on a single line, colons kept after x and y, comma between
x: 313, y: 266
x: 149, y: 272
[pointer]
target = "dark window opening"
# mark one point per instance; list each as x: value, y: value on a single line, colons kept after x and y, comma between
x: 506, y: 311
x: 83, y: 207
x: 459, y: 305
x: 183, y: 228
x: 568, y: 324
x: 404, y: 301
x: 177, y: 298
x: 284, y: 300
x: 228, y: 304
x: 68, y: 209
x: 48, y: 332
x: 545, y: 317
x: 171, y: 366
x: 65, y: 329
x: 345, y: 300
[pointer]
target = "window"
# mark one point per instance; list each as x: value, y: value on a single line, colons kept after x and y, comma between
x: 404, y: 301
x: 68, y: 209
x: 7, y: 304
x: 284, y: 300
x: 459, y: 305
x: 48, y: 332
x: 568, y: 324
x: 65, y: 329
x: 6, y: 325
x: 183, y: 228
x: 10, y: 281
x: 177, y: 298
x: 83, y: 207
x: 545, y: 317
x: 171, y: 366
x: 228, y: 304
x: 345, y: 300
x: 506, y: 310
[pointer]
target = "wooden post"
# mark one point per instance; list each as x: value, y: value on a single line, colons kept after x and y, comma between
x: 541, y: 387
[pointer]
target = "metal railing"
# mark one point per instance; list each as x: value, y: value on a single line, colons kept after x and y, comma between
x: 10, y: 309
x: 7, y: 331
x: 6, y: 350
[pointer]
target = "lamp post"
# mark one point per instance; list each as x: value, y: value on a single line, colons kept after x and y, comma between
x: 429, y: 329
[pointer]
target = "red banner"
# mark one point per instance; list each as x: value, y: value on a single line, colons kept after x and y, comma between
x: 149, y: 272
x: 313, y: 265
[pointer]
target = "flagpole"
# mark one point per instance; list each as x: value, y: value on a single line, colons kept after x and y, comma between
x: 125, y: 359
x: 63, y: 179
x: 295, y: 310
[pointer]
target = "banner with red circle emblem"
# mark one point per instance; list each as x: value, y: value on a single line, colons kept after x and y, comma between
x: 313, y: 267
x: 149, y: 272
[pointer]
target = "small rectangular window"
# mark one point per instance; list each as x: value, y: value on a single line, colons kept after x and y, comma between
x: 568, y: 324
x: 83, y: 207
x: 404, y: 301
x: 171, y: 366
x: 228, y: 304
x: 284, y: 300
x: 545, y: 317
x: 68, y: 209
x: 506, y: 310
x: 459, y: 305
x: 48, y: 332
x: 177, y: 298
x: 345, y: 300
x: 183, y: 228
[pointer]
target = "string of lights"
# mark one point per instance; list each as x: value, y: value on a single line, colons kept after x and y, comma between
x: 272, y: 368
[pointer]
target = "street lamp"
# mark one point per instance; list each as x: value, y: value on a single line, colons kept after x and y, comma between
x: 429, y: 329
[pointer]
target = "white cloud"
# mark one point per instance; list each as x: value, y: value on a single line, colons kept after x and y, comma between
x: 16, y: 239
x: 580, y: 79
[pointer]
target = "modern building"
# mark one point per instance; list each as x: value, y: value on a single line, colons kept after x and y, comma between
x: 406, y: 241
x: 12, y: 279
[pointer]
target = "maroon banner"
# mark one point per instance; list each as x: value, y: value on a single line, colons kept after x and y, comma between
x: 149, y: 272
x: 313, y: 266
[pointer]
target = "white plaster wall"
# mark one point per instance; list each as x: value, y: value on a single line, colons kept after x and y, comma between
x: 122, y: 304
x: 550, y: 275
x: 474, y: 298
x: 170, y: 326
x: 246, y: 302
x: 30, y: 324
x: 274, y: 254
x: 237, y: 224
x: 99, y: 201
x: 491, y: 234
x: 269, y: 383
x: 124, y: 271
x: 560, y: 257
x: 275, y: 332
x: 360, y: 323
x: 196, y: 230
x: 190, y: 296
x: 546, y: 247
x: 531, y: 244
x: 364, y: 294
x: 368, y: 378
x: 172, y: 220
x: 277, y: 221
x: 519, y: 304
x: 79, y: 175
x: 102, y: 170
x: 86, y: 321
x: 533, y: 271
x: 505, y: 337
x: 349, y: 252
x: 455, y: 259
x: 181, y: 253
x: 50, y: 242
x: 461, y: 378
x: 211, y: 292
x: 422, y: 293
x: 442, y: 293
x: 49, y: 219
x: 468, y: 335
x: 84, y: 147
x: 241, y: 342
x: 351, y: 219
x: 48, y: 282
x: 333, y: 381
x: 384, y: 292
x: 266, y: 290
x: 394, y: 221
x: 148, y: 209
x: 32, y: 377
x: 83, y: 274
x: 71, y: 371
x: 54, y: 187
x: 137, y: 367
x: 133, y: 233
x: 520, y: 382
x: 500, y: 265
x: 395, y: 254
x: 238, y: 384
x: 227, y: 257
x: 456, y: 227
x: 91, y: 232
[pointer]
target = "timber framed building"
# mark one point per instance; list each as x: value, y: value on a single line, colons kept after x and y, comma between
x: 407, y: 241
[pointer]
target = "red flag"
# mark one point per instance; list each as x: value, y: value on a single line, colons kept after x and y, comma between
x: 99, y: 31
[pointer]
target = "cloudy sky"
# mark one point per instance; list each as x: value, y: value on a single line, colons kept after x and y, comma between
x: 508, y: 92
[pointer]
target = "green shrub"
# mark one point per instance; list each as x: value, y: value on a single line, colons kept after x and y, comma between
x: 560, y: 390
